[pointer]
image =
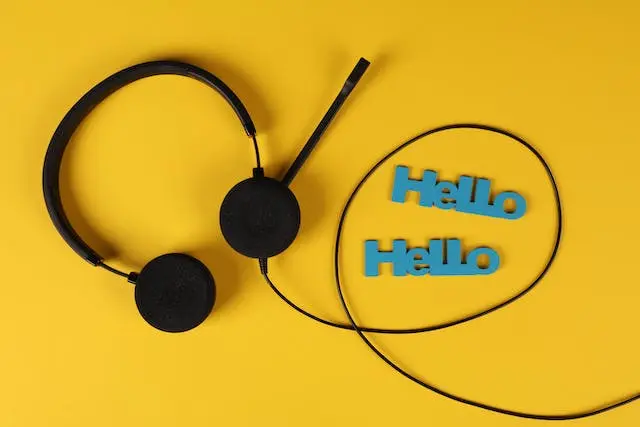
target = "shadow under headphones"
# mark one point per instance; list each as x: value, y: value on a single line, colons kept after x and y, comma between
x: 259, y: 217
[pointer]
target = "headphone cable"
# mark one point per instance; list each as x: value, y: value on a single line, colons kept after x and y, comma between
x: 428, y: 328
x: 360, y: 330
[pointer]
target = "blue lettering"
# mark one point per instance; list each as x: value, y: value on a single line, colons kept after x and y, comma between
x: 446, y: 193
x: 436, y: 248
x: 465, y: 193
x: 402, y: 184
x: 462, y: 197
x: 419, y: 261
x: 520, y: 202
x: 373, y: 257
x: 452, y: 264
x: 472, y: 261
x: 430, y: 260
x: 479, y: 203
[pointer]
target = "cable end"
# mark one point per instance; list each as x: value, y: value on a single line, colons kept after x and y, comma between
x: 356, y: 74
x: 264, y: 270
x: 258, y: 173
x: 132, y: 277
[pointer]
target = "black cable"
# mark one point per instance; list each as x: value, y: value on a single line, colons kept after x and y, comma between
x: 470, y: 402
x: 255, y: 147
x: 360, y: 330
x: 467, y: 318
x: 111, y: 269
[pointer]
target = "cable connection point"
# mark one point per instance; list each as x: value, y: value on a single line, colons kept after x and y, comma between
x: 258, y: 172
x: 263, y: 266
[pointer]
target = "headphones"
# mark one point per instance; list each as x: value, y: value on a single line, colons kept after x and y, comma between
x: 259, y: 216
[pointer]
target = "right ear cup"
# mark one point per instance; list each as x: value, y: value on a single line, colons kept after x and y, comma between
x: 260, y: 217
x: 175, y: 292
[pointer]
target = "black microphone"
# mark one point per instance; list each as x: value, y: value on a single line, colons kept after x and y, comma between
x: 347, y: 88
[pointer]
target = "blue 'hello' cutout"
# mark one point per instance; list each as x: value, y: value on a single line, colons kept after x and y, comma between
x: 460, y: 197
x: 430, y: 260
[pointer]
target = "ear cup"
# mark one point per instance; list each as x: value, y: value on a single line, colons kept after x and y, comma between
x: 260, y: 217
x: 175, y: 292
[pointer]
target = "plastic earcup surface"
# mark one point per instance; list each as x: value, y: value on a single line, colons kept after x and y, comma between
x: 260, y: 217
x: 175, y: 292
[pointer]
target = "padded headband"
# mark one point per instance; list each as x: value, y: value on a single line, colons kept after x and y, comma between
x: 70, y: 122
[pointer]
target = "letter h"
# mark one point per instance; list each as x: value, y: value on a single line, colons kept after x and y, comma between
x: 402, y: 184
x: 373, y: 257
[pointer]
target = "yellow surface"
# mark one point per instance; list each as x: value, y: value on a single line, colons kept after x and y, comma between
x: 148, y: 170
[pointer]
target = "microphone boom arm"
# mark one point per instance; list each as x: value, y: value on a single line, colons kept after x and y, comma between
x: 348, y: 86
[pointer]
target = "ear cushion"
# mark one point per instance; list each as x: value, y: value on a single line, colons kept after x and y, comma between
x: 260, y: 217
x: 175, y: 292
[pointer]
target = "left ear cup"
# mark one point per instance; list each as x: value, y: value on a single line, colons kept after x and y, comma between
x: 175, y: 292
x: 260, y: 217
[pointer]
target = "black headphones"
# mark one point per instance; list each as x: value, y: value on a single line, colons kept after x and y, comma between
x: 259, y: 217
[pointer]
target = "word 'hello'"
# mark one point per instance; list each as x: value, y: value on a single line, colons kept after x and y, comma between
x: 440, y: 258
x: 461, y: 196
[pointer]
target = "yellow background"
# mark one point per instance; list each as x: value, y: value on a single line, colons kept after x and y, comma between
x: 148, y: 170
